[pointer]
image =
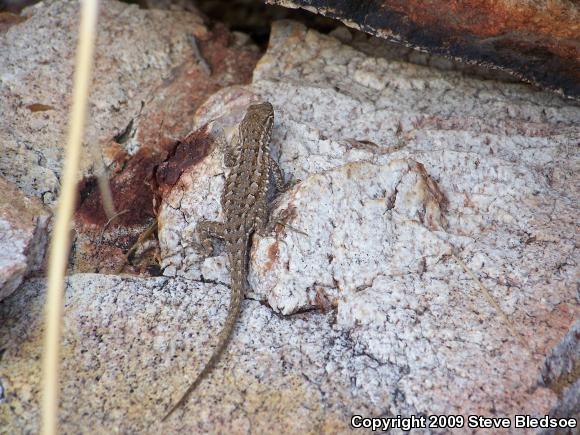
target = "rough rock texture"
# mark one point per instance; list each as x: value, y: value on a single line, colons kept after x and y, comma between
x: 407, y: 174
x: 404, y: 173
x: 130, y: 345
x: 535, y: 41
x: 152, y: 70
x: 378, y: 47
x: 561, y: 372
x: 135, y: 49
x: 23, y: 234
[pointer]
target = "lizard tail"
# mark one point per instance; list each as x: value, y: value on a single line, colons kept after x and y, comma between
x: 238, y: 280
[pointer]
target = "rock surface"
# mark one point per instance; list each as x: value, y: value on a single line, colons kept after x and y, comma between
x: 360, y: 302
x: 130, y: 345
x: 152, y: 70
x: 535, y: 41
x: 23, y: 233
x: 412, y: 180
x: 135, y: 50
x: 560, y: 373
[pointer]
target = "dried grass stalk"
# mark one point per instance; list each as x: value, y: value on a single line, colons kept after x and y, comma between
x: 60, y: 245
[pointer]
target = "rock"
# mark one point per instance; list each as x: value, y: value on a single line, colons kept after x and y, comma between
x: 560, y: 373
x: 131, y: 346
x: 356, y: 223
x: 536, y: 42
x: 415, y: 189
x: 153, y: 69
x: 23, y: 233
x: 413, y: 182
x: 36, y: 72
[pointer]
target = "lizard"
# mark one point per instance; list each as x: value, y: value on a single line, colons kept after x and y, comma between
x: 244, y: 204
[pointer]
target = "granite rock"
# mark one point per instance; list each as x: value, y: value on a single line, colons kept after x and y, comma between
x: 152, y: 70
x: 23, y: 234
x: 535, y: 41
x: 417, y: 188
x: 131, y: 346
x: 135, y: 50
x: 414, y: 188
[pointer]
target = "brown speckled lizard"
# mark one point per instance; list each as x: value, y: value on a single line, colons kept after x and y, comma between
x: 245, y: 210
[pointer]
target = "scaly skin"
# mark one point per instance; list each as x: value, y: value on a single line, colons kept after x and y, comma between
x: 245, y: 207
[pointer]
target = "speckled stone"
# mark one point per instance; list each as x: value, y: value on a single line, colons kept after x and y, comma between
x: 358, y: 302
x: 131, y: 346
x: 406, y: 174
x: 135, y: 50
x: 23, y: 234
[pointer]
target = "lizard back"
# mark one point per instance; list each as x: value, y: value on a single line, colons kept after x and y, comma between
x: 246, y: 187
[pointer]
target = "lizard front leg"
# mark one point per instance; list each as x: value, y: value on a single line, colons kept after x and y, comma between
x: 277, y: 174
x: 232, y: 151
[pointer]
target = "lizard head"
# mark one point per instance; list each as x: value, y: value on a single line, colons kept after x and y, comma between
x: 258, y: 118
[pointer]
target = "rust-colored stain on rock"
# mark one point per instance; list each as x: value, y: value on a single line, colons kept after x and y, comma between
x: 538, y: 42
x: 131, y: 189
x: 186, y: 153
x: 9, y: 19
x: 139, y: 181
x: 39, y: 107
x: 489, y: 18
x: 169, y: 114
x: 272, y: 255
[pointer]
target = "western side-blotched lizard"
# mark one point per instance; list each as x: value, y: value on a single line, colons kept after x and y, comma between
x: 245, y: 208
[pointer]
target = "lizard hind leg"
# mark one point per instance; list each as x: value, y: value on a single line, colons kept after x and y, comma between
x: 207, y: 231
x: 260, y: 221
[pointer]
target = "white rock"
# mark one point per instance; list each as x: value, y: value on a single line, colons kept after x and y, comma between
x: 23, y: 235
x: 404, y: 170
x: 37, y: 69
x: 407, y: 174
x: 357, y: 222
x: 131, y: 346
